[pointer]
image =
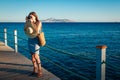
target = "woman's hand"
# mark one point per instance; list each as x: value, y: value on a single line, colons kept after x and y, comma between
x: 28, y: 19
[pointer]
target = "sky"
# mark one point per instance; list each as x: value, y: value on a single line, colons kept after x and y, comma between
x: 76, y: 10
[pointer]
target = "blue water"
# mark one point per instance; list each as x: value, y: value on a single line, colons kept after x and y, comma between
x: 79, y: 39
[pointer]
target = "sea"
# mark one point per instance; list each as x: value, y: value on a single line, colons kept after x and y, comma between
x: 70, y: 51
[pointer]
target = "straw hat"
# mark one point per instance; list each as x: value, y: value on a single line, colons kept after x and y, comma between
x: 30, y: 30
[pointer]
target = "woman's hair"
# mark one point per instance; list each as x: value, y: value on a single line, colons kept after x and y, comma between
x: 34, y: 14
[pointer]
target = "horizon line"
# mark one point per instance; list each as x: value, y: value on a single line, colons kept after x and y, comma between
x: 66, y: 22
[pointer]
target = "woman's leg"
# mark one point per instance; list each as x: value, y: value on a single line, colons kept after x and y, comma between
x: 34, y: 64
x: 39, y: 65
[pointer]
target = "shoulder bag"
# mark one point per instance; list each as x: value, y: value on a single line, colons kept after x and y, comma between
x: 41, y: 39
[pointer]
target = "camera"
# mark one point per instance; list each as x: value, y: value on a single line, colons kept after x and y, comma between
x: 29, y: 17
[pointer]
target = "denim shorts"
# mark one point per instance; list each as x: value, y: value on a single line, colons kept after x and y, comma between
x: 33, y: 45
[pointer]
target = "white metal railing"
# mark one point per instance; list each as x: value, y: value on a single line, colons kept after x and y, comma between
x: 5, y: 36
x: 101, y: 62
x: 15, y: 39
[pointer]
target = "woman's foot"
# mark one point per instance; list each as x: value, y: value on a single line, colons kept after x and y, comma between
x: 39, y: 74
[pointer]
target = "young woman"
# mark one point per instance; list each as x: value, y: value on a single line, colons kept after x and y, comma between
x: 33, y: 44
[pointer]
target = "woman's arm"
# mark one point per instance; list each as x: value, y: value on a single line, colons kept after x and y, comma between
x: 39, y: 27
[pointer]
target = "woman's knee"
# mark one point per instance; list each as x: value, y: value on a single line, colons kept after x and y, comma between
x: 37, y: 58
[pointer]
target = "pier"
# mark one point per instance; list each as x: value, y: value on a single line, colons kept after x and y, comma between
x: 15, y: 66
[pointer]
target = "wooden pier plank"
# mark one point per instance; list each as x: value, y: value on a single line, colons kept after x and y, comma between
x: 15, y: 66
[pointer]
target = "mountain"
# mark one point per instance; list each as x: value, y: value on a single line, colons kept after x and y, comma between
x: 57, y: 20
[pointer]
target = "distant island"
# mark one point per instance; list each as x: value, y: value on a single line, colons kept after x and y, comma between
x: 57, y: 20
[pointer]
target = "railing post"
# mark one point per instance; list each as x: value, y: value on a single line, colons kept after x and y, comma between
x: 101, y: 62
x: 15, y: 41
x: 5, y: 36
